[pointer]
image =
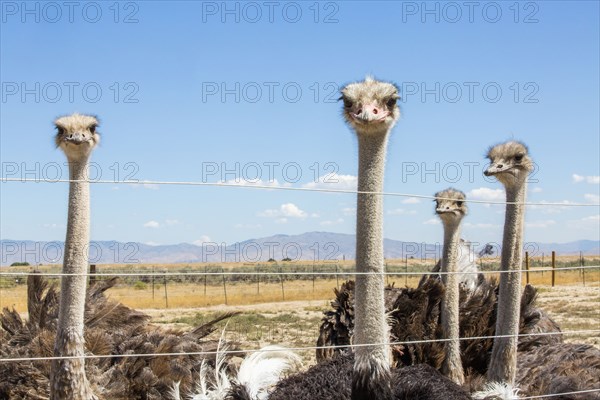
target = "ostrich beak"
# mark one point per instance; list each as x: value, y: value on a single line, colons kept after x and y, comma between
x: 496, y: 168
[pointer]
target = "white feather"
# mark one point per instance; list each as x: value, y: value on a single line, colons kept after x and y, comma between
x: 262, y: 370
x: 497, y: 391
x: 258, y: 373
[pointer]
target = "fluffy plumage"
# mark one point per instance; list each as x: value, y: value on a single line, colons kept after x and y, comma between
x: 331, y: 380
x: 111, y: 328
x: 414, y: 315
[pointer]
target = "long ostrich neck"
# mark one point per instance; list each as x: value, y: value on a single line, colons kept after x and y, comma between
x: 372, y: 363
x: 69, y: 380
x: 452, y: 365
x: 503, y: 363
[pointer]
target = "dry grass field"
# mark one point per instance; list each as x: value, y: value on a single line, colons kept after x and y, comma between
x: 287, y: 309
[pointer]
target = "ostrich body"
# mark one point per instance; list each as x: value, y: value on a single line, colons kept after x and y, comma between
x: 370, y: 109
x: 77, y: 137
x: 510, y: 164
x: 451, y: 208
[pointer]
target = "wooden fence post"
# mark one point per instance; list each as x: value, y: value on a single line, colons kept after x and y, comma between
x: 257, y: 281
x: 583, y: 270
x: 553, y: 267
x: 224, y: 285
x: 406, y: 270
x: 166, y: 294
x: 281, y: 279
x: 92, y: 274
x: 527, y: 267
x: 205, y: 277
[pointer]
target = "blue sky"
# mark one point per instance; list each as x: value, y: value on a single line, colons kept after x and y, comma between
x: 190, y: 91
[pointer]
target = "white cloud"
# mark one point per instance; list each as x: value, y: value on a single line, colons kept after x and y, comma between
x: 247, y: 226
x: 411, y: 200
x: 540, y: 224
x: 401, y: 211
x: 432, y: 221
x: 202, y: 240
x: 486, y: 194
x: 329, y: 223
x: 151, y: 224
x: 593, y: 179
x: 152, y: 243
x: 171, y: 222
x: 258, y: 182
x: 281, y: 221
x: 285, y: 210
x: 481, y: 225
x: 592, y: 221
x: 551, y: 209
x: 334, y: 182
x: 150, y: 186
x: 349, y: 211
x: 592, y: 198
x: 537, y: 189
x: 53, y: 226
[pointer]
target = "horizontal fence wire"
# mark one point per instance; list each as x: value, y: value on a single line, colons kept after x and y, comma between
x: 544, y: 396
x: 245, y: 351
x: 290, y: 273
x: 290, y: 188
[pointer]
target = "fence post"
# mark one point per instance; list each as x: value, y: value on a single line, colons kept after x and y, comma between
x: 553, y: 268
x: 583, y: 270
x: 166, y: 294
x: 313, y: 276
x: 153, y: 283
x: 281, y: 279
x: 337, y: 277
x: 543, y: 265
x: 257, y: 281
x: 224, y: 285
x: 92, y: 274
x: 527, y: 267
x: 387, y: 276
x: 406, y: 271
x: 205, y: 277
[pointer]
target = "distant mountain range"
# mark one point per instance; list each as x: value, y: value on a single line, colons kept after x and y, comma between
x: 318, y: 246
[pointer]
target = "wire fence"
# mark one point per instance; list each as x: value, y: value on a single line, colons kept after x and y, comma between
x: 294, y: 189
x: 307, y: 274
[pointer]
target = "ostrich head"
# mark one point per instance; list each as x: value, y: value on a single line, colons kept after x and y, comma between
x: 76, y: 135
x: 450, y: 205
x: 509, y: 163
x: 370, y: 106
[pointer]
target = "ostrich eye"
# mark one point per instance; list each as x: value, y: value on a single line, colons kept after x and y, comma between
x: 459, y: 203
x: 519, y: 157
x: 347, y: 102
x: 93, y: 129
x: 391, y: 102
x: 61, y: 130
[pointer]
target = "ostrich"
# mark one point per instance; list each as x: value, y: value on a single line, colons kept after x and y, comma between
x: 76, y: 137
x: 451, y: 208
x: 370, y: 109
x: 510, y: 164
